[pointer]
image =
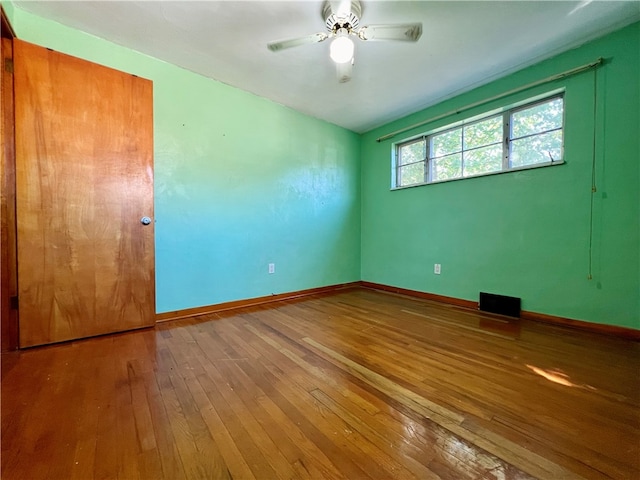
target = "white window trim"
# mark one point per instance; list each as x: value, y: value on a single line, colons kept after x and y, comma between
x: 506, y: 113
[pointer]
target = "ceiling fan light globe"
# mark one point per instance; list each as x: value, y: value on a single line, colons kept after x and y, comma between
x: 341, y: 49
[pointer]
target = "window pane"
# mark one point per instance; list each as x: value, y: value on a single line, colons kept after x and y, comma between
x: 539, y: 118
x: 483, y: 160
x: 411, y: 174
x: 445, y: 143
x: 483, y: 133
x: 411, y: 152
x: 448, y: 167
x: 537, y: 149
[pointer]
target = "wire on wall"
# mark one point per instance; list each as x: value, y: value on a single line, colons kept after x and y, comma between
x: 593, y: 171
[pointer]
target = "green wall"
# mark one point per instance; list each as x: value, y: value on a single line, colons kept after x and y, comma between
x: 524, y: 234
x: 240, y: 182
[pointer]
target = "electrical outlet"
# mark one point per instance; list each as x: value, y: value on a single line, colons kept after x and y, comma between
x: 436, y: 268
x: 272, y: 268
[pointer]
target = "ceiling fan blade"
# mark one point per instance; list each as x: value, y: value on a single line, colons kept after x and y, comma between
x: 344, y: 71
x: 408, y: 32
x: 296, y: 42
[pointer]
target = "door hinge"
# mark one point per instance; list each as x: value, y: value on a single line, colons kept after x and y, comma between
x: 14, y: 302
x: 8, y: 65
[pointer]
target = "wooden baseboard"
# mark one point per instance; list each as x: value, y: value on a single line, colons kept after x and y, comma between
x: 425, y: 295
x: 250, y: 302
x: 622, y: 332
x: 615, y: 330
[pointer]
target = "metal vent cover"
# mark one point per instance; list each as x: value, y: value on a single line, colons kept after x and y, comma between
x: 501, y: 304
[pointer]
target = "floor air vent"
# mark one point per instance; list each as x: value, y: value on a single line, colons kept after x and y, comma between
x: 490, y: 302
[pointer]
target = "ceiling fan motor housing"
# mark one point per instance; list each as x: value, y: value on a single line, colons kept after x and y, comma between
x: 337, y: 20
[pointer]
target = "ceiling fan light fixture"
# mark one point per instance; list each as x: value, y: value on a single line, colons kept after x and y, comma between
x: 342, y: 20
x: 342, y: 47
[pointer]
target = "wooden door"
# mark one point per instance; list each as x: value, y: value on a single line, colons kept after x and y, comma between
x: 84, y: 179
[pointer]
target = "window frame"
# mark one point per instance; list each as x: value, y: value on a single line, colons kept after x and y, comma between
x: 507, y: 137
x: 399, y: 166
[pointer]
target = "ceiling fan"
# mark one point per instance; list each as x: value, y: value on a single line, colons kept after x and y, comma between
x: 342, y: 20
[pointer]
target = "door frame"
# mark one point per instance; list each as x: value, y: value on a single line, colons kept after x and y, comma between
x: 8, y: 232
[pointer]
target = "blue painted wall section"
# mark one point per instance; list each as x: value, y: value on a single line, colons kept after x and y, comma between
x: 240, y: 182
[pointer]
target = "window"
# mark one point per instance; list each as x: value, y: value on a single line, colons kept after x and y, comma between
x: 521, y: 137
x: 411, y: 163
x: 536, y: 134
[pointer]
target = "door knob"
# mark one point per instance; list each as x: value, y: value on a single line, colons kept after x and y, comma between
x: 145, y: 220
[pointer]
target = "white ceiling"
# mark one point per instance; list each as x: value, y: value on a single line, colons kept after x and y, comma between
x: 463, y: 45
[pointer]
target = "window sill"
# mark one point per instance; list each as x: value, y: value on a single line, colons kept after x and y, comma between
x: 501, y: 172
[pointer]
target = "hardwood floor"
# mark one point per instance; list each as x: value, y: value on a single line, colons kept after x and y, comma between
x: 355, y: 385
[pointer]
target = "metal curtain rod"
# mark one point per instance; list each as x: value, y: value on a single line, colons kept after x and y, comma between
x: 552, y: 78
